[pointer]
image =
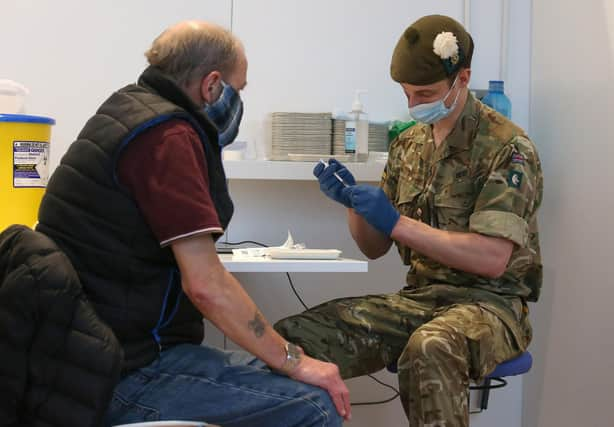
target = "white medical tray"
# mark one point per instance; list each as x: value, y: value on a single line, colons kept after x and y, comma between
x: 279, y: 253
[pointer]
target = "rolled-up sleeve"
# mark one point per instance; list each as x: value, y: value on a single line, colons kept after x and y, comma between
x: 511, y: 194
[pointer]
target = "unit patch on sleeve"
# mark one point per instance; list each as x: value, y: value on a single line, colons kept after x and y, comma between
x: 514, y: 179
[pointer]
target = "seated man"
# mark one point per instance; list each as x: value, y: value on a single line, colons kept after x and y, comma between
x: 459, y: 197
x: 136, y: 204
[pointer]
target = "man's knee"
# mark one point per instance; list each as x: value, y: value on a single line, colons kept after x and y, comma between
x: 308, y: 333
x: 293, y: 328
x: 321, y: 409
x: 427, y: 346
x: 306, y: 329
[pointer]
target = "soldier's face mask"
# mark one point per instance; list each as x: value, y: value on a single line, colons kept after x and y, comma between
x: 226, y: 114
x: 432, y: 112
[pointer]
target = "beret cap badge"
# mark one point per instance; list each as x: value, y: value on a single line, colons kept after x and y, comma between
x: 446, y: 47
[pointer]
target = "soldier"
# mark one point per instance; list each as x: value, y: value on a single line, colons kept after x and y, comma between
x: 459, y: 197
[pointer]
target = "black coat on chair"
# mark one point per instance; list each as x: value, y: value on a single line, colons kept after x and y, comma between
x: 58, y: 362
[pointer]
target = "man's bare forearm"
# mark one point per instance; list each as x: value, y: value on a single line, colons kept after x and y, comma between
x: 371, y: 242
x: 471, y: 252
x: 223, y: 301
x: 238, y: 317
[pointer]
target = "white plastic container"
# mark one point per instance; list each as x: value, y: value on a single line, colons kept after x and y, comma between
x: 357, y: 130
x: 235, y: 151
x: 12, y: 97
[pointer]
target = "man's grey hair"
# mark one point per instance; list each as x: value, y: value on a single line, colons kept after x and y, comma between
x: 191, y: 50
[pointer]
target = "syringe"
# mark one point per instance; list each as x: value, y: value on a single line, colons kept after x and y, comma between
x: 335, y: 174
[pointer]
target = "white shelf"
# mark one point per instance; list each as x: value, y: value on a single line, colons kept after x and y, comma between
x: 267, y: 265
x: 370, y: 171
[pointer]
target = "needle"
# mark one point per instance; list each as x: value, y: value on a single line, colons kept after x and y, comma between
x: 335, y: 174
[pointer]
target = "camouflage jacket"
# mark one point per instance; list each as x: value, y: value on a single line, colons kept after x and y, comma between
x: 486, y: 178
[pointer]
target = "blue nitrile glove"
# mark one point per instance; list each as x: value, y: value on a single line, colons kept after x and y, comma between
x: 373, y: 205
x: 330, y: 185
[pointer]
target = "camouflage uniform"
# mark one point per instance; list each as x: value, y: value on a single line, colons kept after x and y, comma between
x: 446, y: 326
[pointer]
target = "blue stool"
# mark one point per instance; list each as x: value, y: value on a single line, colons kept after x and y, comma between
x: 517, y: 366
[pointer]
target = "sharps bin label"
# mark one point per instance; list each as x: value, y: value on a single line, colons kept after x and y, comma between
x: 30, y: 164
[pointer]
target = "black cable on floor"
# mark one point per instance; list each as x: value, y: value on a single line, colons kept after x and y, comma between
x: 379, y: 402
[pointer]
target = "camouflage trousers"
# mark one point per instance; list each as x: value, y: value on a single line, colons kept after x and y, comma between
x: 439, y: 341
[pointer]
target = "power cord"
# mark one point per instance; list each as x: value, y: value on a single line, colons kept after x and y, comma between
x: 295, y: 292
x: 377, y: 402
x: 262, y: 245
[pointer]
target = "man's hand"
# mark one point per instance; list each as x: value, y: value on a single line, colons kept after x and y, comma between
x: 330, y: 185
x: 324, y: 375
x: 372, y: 203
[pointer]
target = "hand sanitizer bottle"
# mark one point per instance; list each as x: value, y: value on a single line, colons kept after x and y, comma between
x: 357, y: 131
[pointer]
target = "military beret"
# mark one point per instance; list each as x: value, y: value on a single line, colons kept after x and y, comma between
x: 430, y: 50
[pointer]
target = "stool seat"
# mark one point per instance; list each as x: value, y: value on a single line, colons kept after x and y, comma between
x: 516, y: 366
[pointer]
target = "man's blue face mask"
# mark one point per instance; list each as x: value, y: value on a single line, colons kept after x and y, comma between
x: 226, y: 114
x: 433, y: 112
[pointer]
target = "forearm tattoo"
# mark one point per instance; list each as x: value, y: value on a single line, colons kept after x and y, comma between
x: 257, y: 324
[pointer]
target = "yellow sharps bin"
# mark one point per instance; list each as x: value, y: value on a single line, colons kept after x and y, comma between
x: 24, y: 167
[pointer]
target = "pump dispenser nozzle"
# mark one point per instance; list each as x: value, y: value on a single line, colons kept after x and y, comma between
x: 357, y: 104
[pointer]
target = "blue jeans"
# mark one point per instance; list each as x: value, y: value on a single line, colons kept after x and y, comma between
x: 232, y: 389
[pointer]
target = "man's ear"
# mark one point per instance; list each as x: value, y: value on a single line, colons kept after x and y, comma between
x: 209, y: 86
x: 464, y: 76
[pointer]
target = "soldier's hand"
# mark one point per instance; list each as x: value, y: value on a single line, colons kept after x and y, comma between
x: 330, y: 184
x: 325, y: 375
x: 372, y: 203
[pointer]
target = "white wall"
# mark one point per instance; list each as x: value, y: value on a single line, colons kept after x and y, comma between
x: 73, y: 53
x: 571, y: 114
x: 312, y: 55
